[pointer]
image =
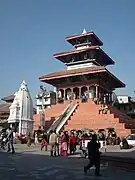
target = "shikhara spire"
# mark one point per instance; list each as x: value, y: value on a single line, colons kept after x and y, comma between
x: 84, y: 31
x: 21, y: 110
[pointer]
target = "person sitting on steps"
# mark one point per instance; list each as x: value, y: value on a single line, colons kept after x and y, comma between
x: 84, y: 99
x: 101, y: 109
x: 96, y: 100
x: 105, y: 109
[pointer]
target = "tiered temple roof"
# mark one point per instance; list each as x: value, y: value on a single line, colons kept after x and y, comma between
x: 90, y: 35
x: 93, y: 52
x: 86, y: 59
x: 50, y: 78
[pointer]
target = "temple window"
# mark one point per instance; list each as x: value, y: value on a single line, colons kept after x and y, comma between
x: 86, y: 56
x: 88, y: 77
x: 74, y: 79
x: 81, y: 41
x: 72, y: 59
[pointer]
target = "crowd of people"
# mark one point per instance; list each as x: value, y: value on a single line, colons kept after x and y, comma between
x: 60, y: 144
x: 65, y: 142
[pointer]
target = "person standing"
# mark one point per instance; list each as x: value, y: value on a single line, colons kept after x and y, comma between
x: 36, y: 138
x: 57, y: 146
x: 28, y: 139
x: 10, y: 139
x: 72, y: 143
x: 64, y: 144
x: 44, y: 142
x: 52, y: 142
x: 94, y: 155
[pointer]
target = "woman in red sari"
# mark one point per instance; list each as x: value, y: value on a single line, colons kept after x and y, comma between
x: 63, y: 149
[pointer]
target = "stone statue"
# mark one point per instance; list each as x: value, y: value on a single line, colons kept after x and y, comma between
x: 21, y: 111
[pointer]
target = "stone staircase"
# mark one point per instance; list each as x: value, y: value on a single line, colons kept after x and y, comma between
x: 50, y: 115
x: 87, y: 116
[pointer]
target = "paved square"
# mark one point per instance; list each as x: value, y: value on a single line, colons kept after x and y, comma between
x: 31, y: 164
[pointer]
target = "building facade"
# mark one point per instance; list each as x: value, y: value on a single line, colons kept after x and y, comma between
x: 45, y: 102
x: 4, y: 110
x: 126, y: 104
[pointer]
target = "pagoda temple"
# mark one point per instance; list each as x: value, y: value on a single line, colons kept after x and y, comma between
x: 86, y: 70
x: 86, y: 74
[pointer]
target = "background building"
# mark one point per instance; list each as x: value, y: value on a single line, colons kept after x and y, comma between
x: 46, y: 101
x: 4, y: 110
x: 126, y: 104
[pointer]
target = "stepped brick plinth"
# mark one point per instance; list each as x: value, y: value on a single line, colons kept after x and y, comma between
x: 87, y: 116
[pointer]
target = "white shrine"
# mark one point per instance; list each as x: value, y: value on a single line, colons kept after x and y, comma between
x: 21, y: 111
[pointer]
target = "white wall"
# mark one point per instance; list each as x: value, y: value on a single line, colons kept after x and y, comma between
x: 123, y: 99
x: 80, y: 66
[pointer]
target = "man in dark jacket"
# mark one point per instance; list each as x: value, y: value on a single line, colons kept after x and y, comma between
x: 94, y: 155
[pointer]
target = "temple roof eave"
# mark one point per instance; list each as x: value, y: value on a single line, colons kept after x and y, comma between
x: 8, y: 98
x: 62, y: 56
x: 67, y: 73
x: 71, y: 38
x: 53, y: 76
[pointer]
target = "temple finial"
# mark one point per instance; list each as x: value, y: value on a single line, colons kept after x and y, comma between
x: 24, y: 83
x: 84, y: 31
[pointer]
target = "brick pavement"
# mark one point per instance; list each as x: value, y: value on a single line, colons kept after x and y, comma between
x: 31, y: 164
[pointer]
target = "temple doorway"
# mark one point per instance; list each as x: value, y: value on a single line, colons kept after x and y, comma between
x: 68, y: 94
x: 61, y: 94
x: 91, y: 92
x: 84, y: 91
x: 76, y: 93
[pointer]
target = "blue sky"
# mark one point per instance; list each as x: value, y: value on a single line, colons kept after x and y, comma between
x: 31, y: 31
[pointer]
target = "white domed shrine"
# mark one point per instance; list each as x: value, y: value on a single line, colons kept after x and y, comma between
x: 21, y: 111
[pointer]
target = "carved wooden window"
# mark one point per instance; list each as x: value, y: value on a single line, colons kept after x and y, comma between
x: 73, y: 59
x: 86, y: 56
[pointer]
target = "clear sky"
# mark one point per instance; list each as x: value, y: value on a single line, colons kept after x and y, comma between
x: 31, y: 31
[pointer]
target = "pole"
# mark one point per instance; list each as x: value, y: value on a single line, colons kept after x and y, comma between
x: 43, y: 111
x: 44, y: 94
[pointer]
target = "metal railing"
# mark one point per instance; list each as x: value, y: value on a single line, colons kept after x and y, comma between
x: 64, y: 119
x: 58, y: 119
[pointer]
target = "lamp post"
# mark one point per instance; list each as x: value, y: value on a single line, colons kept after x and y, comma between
x: 42, y: 95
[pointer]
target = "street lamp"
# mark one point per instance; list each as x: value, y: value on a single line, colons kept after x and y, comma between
x: 42, y: 95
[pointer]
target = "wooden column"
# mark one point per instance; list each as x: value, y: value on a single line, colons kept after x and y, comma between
x: 64, y: 94
x: 71, y: 93
x: 79, y: 92
x: 99, y: 93
x: 96, y: 91
x: 57, y: 90
x: 87, y: 91
x: 110, y: 96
